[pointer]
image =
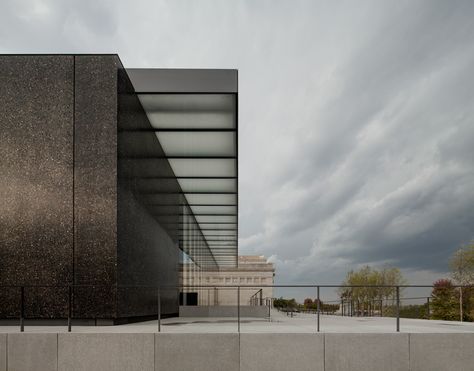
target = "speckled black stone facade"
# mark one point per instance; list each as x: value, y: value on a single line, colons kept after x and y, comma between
x: 95, y: 184
x: 36, y: 180
x: 69, y: 213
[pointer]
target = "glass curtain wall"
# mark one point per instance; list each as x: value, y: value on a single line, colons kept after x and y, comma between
x: 198, y: 134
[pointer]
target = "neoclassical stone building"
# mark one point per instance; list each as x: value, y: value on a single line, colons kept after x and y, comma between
x: 252, y: 270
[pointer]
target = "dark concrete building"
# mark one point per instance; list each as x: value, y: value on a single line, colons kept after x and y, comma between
x: 108, y: 178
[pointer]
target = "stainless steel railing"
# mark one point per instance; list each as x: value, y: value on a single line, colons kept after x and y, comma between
x: 255, y: 298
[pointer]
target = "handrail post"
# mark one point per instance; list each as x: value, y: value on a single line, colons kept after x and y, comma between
x: 319, y: 306
x: 159, y: 309
x: 69, y: 309
x: 238, y: 309
x: 398, y: 308
x: 22, y: 308
x: 269, y: 304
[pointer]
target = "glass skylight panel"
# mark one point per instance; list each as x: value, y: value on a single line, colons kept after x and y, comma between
x: 226, y: 254
x: 196, y: 144
x: 220, y: 242
x: 216, y: 219
x: 190, y: 111
x: 198, y: 167
x: 211, y: 240
x: 211, y: 199
x: 188, y: 102
x: 214, y: 210
x: 214, y: 247
x: 208, y: 185
x: 220, y: 233
x: 189, y: 120
x: 218, y: 226
x: 229, y: 247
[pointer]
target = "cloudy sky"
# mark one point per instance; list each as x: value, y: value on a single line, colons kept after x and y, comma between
x: 356, y: 117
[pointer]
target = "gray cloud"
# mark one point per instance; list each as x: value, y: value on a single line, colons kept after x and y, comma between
x: 356, y: 130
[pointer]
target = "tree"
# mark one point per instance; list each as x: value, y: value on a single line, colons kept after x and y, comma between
x: 369, y: 292
x: 308, y: 303
x: 329, y: 308
x: 414, y: 311
x: 285, y: 304
x: 462, y: 271
x: 444, y: 300
x: 391, y: 277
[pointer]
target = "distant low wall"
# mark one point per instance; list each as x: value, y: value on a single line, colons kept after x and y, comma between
x: 235, y: 352
x: 223, y: 311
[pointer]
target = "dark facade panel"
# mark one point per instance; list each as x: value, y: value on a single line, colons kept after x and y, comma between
x: 95, y: 185
x: 36, y: 182
x: 95, y: 175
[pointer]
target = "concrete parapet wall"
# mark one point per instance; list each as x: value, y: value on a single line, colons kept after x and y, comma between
x: 271, y: 352
x: 368, y: 352
x: 234, y: 352
x: 442, y: 352
x: 223, y: 311
x: 103, y: 352
x: 197, y: 352
x: 3, y: 352
x: 32, y: 352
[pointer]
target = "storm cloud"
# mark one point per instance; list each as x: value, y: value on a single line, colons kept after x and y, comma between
x: 356, y: 127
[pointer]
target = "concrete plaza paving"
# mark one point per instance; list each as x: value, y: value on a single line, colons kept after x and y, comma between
x: 279, y: 323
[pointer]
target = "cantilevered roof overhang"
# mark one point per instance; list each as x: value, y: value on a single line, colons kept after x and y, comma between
x: 193, y: 113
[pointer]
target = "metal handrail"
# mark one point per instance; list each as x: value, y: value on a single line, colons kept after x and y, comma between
x: 255, y: 295
x: 159, y: 288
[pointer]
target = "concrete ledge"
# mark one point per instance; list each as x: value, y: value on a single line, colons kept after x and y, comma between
x: 106, y: 352
x: 35, y: 352
x: 270, y: 352
x: 442, y: 352
x: 233, y: 352
x: 223, y: 311
x: 366, y: 352
x: 197, y: 352
x: 3, y: 352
